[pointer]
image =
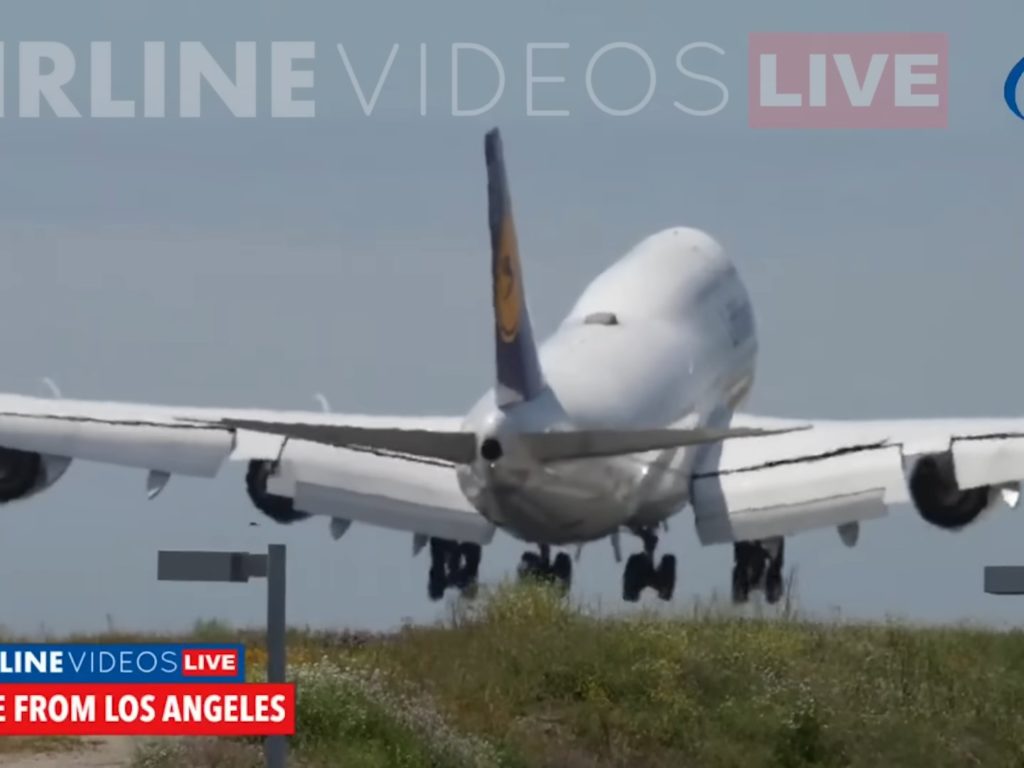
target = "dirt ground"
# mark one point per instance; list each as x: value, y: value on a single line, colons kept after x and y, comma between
x: 94, y: 753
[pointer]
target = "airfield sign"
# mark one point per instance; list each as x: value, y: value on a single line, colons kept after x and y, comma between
x: 1004, y: 579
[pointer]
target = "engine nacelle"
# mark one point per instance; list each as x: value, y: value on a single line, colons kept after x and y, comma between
x: 278, y: 508
x: 24, y: 473
x: 939, y: 500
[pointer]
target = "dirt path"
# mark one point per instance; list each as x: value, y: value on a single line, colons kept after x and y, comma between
x: 95, y: 753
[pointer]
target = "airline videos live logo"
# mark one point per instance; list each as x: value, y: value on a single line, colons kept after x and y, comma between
x: 121, y: 663
x: 891, y: 80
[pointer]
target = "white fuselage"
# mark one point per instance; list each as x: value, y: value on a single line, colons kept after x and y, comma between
x: 665, y: 337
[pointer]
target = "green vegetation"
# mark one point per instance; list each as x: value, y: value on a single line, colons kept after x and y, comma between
x: 521, y: 678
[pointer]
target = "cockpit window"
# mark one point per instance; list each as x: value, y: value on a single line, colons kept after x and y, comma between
x: 601, y: 318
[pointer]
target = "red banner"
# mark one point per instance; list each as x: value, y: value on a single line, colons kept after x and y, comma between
x: 162, y: 709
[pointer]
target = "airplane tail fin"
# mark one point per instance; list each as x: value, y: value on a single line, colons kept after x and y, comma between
x: 519, y: 376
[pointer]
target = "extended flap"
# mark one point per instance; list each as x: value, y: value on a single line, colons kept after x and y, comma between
x: 384, y: 491
x: 990, y: 460
x: 786, y: 497
x: 394, y: 513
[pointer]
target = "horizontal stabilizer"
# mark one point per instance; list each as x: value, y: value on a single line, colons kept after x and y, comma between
x: 594, y: 443
x: 452, y: 447
x: 462, y: 447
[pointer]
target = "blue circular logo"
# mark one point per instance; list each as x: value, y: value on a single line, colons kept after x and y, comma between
x: 1010, y: 89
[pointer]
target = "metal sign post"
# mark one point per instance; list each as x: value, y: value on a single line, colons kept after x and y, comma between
x: 275, y: 747
x: 239, y: 567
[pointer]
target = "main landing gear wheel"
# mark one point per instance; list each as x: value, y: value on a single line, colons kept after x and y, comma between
x: 453, y: 565
x: 758, y: 565
x: 640, y: 573
x: 537, y: 566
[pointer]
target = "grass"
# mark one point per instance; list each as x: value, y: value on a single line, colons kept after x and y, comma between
x: 560, y: 687
x: 522, y: 678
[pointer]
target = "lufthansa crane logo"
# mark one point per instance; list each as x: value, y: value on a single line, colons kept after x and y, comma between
x: 508, y: 296
x: 1010, y: 89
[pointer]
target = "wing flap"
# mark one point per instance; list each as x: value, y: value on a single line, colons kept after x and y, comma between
x: 250, y: 446
x: 787, y: 519
x: 395, y: 514
x: 597, y: 443
x: 839, y: 472
x: 384, y: 491
x: 780, y: 499
x: 989, y: 460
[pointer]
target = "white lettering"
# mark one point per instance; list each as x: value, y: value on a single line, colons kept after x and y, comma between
x: 198, y: 65
x: 770, y: 96
x: 531, y: 78
x: 457, y: 111
x: 77, y: 661
x: 33, y: 85
x: 284, y: 79
x: 154, y: 72
x: 172, y: 710
x: 819, y: 78
x: 423, y: 79
x: 650, y: 86
x: 701, y: 78
x: 368, y: 106
x: 861, y: 94
x: 141, y: 666
x: 101, y: 77
x: 907, y: 78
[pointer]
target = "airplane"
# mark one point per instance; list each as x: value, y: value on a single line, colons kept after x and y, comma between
x: 626, y: 416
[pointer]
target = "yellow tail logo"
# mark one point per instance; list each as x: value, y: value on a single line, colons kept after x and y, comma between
x: 508, y: 289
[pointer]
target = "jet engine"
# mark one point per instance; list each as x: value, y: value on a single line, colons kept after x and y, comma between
x: 939, y: 500
x: 278, y: 508
x: 24, y: 473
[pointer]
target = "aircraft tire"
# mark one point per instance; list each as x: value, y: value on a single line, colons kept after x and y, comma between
x: 437, y: 582
x: 562, y: 571
x: 635, y: 577
x: 666, y: 577
x: 529, y: 566
x: 740, y: 584
x: 773, y: 587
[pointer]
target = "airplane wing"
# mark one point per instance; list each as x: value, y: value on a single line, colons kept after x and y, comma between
x: 384, y: 488
x: 839, y: 473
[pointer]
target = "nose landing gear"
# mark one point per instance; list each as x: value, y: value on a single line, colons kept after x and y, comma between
x: 640, y: 572
x: 758, y: 565
x: 453, y: 565
x: 537, y: 566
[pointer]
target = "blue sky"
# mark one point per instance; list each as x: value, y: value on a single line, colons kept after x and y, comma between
x: 222, y: 261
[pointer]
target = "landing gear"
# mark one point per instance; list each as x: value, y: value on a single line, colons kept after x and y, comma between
x: 538, y: 566
x: 453, y: 565
x: 758, y: 565
x: 640, y: 572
